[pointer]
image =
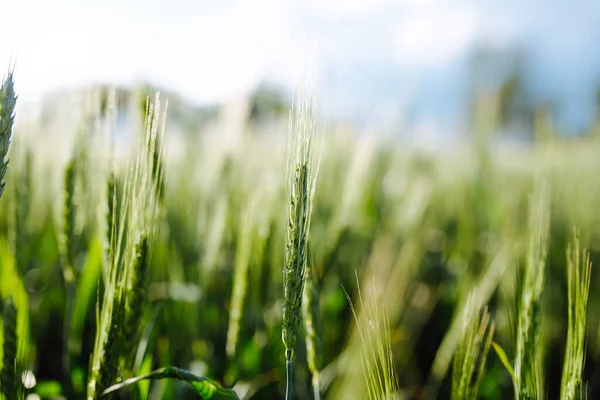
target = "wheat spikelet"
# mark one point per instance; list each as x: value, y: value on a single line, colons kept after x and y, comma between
x: 106, y: 372
x: 471, y: 352
x: 8, y: 100
x: 110, y: 218
x: 153, y: 144
x: 136, y: 301
x: 579, y: 270
x: 21, y: 207
x: 68, y: 228
x: 311, y: 316
x: 376, y: 355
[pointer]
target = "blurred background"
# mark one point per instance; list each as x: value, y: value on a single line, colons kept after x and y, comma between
x: 438, y: 118
x: 413, y: 68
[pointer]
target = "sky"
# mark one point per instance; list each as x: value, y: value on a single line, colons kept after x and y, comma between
x: 375, y: 58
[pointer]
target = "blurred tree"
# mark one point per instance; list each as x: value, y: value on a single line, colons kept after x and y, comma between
x: 500, y: 100
x: 268, y: 102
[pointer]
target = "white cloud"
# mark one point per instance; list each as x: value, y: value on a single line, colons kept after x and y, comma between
x: 208, y: 52
x: 341, y: 8
x: 206, y: 56
x: 435, y: 35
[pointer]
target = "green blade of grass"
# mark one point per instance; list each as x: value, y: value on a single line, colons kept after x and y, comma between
x: 504, y: 360
x: 206, y: 388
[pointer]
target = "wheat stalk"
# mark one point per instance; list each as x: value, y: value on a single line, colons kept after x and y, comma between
x: 301, y: 179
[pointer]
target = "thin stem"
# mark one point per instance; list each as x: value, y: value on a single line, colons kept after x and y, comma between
x: 316, y: 383
x: 288, y: 381
x: 66, y: 361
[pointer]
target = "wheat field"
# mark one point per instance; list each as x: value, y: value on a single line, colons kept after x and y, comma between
x: 299, y: 261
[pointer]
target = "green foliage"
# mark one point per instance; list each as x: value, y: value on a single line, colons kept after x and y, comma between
x: 179, y: 257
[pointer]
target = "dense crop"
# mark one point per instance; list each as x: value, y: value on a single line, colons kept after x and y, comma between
x: 219, y: 264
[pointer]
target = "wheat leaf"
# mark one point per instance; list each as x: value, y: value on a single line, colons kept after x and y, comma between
x: 206, y: 388
x: 504, y: 359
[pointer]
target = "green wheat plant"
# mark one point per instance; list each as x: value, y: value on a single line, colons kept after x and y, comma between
x: 172, y: 251
x: 579, y: 269
x: 376, y: 355
x: 528, y: 351
x: 124, y: 297
x: 302, y: 174
x: 486, y: 286
x: 527, y: 374
x: 15, y: 327
x: 471, y: 353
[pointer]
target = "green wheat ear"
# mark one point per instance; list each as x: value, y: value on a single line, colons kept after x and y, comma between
x: 376, y: 355
x: 579, y: 269
x: 206, y: 388
x: 471, y: 353
x: 110, y: 218
x: 302, y: 173
x: 68, y: 230
x: 8, y: 101
x: 528, y: 350
x: 311, y: 316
